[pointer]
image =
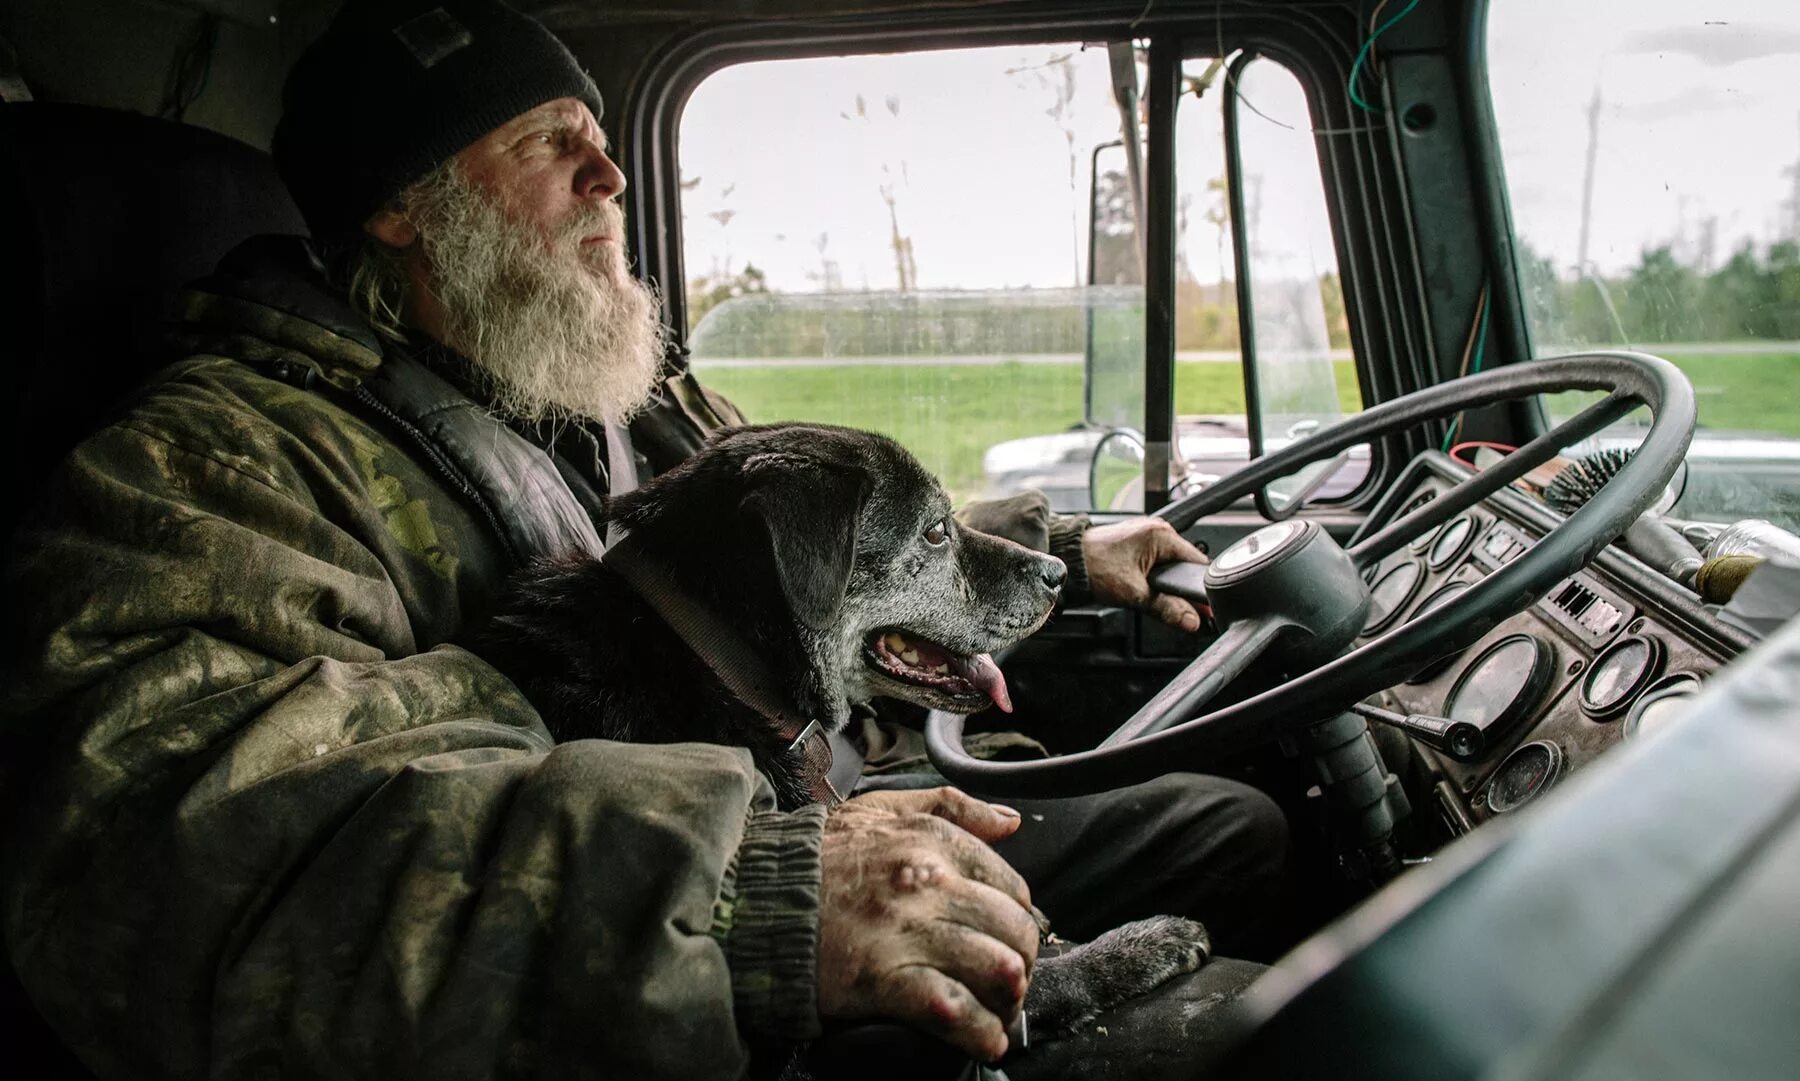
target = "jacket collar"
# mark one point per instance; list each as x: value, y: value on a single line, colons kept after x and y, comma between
x: 269, y: 305
x: 269, y: 300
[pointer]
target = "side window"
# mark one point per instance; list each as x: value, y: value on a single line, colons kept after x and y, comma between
x: 943, y: 246
x: 1652, y: 158
x: 1305, y: 376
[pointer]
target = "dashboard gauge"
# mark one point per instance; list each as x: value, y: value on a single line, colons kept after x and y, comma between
x: 1502, y: 683
x: 1524, y: 776
x: 1619, y: 673
x: 1430, y: 604
x: 1451, y: 542
x: 1662, y: 705
x: 1423, y: 541
x: 1418, y: 545
x: 1390, y: 594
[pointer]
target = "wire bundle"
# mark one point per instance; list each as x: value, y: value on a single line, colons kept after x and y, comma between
x: 1368, y: 45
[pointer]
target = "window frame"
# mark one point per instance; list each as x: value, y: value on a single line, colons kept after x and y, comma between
x: 1360, y: 166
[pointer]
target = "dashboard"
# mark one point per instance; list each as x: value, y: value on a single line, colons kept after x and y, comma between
x: 1610, y: 654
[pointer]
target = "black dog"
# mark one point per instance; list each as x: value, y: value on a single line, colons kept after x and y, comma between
x: 776, y: 577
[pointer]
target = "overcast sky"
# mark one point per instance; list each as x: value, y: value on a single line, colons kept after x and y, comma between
x: 1699, y: 131
x: 1699, y: 122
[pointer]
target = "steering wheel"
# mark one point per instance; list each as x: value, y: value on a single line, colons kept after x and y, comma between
x: 1290, y: 587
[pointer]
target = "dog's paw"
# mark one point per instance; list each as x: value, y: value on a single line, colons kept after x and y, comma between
x: 1155, y: 949
x: 1119, y: 965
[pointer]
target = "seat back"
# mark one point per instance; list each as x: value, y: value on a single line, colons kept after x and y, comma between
x: 104, y: 215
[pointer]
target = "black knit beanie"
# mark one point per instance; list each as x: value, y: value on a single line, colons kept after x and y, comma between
x: 395, y: 88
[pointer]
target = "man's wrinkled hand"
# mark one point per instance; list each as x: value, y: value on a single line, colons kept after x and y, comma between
x: 919, y: 920
x: 1119, y: 559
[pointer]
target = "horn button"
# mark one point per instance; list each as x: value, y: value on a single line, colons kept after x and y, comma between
x: 1292, y: 573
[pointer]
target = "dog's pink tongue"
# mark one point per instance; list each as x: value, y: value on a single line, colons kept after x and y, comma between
x: 985, y: 675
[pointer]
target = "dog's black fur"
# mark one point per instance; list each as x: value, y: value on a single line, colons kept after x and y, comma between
x: 803, y: 540
x: 811, y: 543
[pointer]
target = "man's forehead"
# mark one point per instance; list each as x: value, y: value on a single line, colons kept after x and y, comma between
x: 572, y: 111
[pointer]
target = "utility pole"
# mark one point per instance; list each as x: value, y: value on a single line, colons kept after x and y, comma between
x: 1587, y: 182
x: 1793, y: 231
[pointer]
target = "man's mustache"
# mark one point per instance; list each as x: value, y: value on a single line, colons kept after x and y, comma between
x: 603, y: 219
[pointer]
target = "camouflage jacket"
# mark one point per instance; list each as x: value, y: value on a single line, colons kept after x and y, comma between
x: 271, y: 822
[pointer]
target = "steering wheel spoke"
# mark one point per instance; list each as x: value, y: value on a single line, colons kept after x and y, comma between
x: 1202, y: 680
x: 1385, y: 541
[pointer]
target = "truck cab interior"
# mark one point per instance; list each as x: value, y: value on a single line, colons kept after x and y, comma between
x: 1465, y: 337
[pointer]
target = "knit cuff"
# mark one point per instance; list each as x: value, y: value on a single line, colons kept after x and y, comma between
x: 767, y: 917
x: 1066, y: 531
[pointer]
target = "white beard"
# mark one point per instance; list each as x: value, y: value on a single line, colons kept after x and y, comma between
x: 557, y: 332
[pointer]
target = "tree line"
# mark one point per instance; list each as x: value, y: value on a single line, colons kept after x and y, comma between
x: 1754, y: 294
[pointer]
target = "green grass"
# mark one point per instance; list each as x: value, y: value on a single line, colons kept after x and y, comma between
x: 1750, y: 392
x: 1757, y: 392
x: 950, y: 414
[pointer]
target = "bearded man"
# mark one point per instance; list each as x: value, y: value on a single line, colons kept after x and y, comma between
x: 285, y: 825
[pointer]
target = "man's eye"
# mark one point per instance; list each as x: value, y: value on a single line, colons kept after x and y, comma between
x: 938, y: 533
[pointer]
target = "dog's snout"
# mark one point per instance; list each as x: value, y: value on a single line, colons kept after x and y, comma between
x: 1053, y: 573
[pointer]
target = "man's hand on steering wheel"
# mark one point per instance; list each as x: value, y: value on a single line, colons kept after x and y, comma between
x: 1119, y: 557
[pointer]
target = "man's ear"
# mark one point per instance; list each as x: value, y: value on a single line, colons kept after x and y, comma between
x: 392, y: 227
x: 811, y: 512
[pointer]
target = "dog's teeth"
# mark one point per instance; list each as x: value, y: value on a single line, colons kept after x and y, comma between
x: 894, y: 642
x: 942, y: 669
x: 910, y: 656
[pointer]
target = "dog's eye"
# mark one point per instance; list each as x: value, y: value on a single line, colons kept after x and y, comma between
x: 938, y: 533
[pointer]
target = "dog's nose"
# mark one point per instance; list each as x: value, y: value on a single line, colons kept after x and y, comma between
x: 1053, y: 573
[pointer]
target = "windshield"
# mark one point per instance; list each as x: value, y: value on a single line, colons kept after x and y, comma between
x: 1652, y: 159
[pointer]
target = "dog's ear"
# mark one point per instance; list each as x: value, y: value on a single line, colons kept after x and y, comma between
x: 811, y: 511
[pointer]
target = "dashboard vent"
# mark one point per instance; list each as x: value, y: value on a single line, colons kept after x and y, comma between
x: 1575, y: 599
x: 1587, y: 609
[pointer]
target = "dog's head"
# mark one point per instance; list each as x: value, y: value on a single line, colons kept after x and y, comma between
x: 834, y: 553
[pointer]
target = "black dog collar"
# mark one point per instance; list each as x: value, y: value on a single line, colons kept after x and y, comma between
x: 736, y: 666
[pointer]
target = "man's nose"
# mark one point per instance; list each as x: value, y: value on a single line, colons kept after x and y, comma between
x: 599, y: 177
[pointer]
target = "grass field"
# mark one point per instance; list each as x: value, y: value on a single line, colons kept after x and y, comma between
x: 950, y: 414
x: 1753, y: 392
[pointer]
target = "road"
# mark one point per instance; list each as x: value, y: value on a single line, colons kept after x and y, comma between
x: 1214, y: 356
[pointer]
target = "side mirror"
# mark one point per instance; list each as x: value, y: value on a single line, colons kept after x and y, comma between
x: 1116, y: 472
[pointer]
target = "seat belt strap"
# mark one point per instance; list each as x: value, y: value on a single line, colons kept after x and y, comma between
x: 621, y: 471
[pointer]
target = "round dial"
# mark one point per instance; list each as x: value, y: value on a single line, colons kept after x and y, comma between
x: 1451, y: 542
x: 1662, y: 706
x: 1390, y: 594
x: 1423, y: 541
x: 1619, y: 673
x: 1502, y: 683
x: 1524, y: 776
